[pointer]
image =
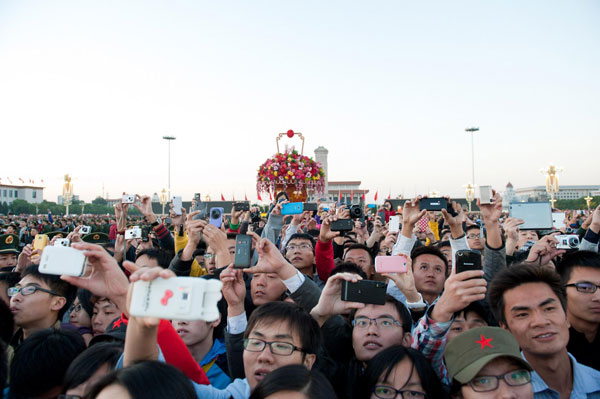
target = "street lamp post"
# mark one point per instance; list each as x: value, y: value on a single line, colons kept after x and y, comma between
x: 588, y: 200
x: 169, y: 139
x: 472, y: 130
x: 552, y: 181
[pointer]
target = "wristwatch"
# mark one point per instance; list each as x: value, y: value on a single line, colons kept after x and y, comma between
x: 416, y: 305
x: 156, y: 223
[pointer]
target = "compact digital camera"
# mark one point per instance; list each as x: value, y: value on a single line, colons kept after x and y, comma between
x: 134, y: 232
x: 62, y: 260
x: 128, y: 199
x: 62, y: 242
x: 177, y: 298
x: 85, y: 230
x: 567, y: 241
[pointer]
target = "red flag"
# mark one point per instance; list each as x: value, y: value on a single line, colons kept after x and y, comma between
x: 245, y: 197
x: 339, y: 195
x: 351, y: 195
x: 389, y: 196
x: 376, y: 195
x: 258, y: 196
x: 222, y: 198
x: 363, y: 196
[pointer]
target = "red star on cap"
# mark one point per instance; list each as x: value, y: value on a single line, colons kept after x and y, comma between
x: 485, y: 342
x: 117, y: 323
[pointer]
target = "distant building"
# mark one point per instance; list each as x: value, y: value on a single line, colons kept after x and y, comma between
x: 539, y: 193
x: 31, y: 193
x: 346, y: 189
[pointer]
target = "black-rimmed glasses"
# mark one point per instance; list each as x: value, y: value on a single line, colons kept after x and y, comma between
x: 385, y: 392
x: 276, y: 347
x: 28, y: 290
x: 486, y: 383
x: 585, y: 286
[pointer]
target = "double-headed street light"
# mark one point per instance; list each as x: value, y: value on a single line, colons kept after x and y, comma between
x: 169, y: 139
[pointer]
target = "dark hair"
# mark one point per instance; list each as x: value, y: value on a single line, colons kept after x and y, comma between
x: 85, y: 300
x: 8, y: 323
x: 442, y: 244
x: 473, y: 227
x: 231, y: 236
x: 295, y: 378
x: 577, y: 259
x: 11, y: 278
x: 282, y: 193
x: 162, y: 257
x: 348, y: 267
x: 359, y: 246
x: 3, y: 365
x: 382, y: 365
x: 302, y: 236
x: 148, y: 380
x: 41, y: 361
x: 57, y: 285
x: 89, y: 361
x: 297, y: 319
x: 476, y: 307
x: 403, y: 312
x: 517, y: 275
x: 428, y: 250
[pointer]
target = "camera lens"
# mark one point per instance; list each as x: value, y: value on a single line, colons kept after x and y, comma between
x: 573, y: 242
x: 215, y: 214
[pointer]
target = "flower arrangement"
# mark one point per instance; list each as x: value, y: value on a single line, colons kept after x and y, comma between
x: 290, y: 169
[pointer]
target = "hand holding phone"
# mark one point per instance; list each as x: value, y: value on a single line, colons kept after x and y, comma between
x: 468, y: 259
x: 391, y: 264
x: 243, y: 249
x: 177, y: 205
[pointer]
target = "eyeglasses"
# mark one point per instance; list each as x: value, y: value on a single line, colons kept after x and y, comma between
x: 28, y: 290
x: 76, y: 308
x: 382, y: 322
x: 277, y: 348
x: 303, y: 247
x: 586, y: 287
x: 208, y: 256
x: 385, y: 392
x: 473, y: 236
x: 486, y: 383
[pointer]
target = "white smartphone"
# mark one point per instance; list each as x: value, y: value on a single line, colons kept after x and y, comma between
x: 485, y: 194
x: 177, y: 298
x: 394, y: 224
x: 134, y: 232
x: 61, y: 260
x: 177, y: 204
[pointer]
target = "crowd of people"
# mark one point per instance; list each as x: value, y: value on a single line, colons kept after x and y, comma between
x: 525, y: 325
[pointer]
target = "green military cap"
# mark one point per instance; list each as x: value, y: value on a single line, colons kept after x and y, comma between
x: 471, y: 350
x: 96, y: 238
x: 9, y: 244
x: 60, y: 234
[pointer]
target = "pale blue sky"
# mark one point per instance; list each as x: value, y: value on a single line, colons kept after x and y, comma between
x: 89, y: 88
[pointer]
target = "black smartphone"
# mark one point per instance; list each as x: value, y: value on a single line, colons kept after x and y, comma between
x: 468, y: 259
x: 364, y: 291
x: 433, y: 204
x: 197, y: 197
x: 309, y: 206
x: 243, y: 247
x: 342, y: 225
x: 241, y: 206
x: 381, y: 216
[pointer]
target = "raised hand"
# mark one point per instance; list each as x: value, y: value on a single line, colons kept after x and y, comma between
x: 234, y: 290
x: 544, y: 250
x: 460, y: 289
x: 325, y: 234
x: 146, y: 208
x: 330, y: 302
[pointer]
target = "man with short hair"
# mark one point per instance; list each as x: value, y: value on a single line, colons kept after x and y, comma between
x: 300, y: 252
x: 580, y: 274
x: 38, y: 301
x: 529, y: 301
x: 473, y: 233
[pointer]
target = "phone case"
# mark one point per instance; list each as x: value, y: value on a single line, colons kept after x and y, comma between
x: 468, y: 259
x: 394, y: 224
x: 364, y: 291
x: 309, y: 206
x: 61, y: 260
x: 177, y: 204
x: 243, y: 245
x: 177, y: 298
x: 291, y: 208
x: 241, y: 206
x: 390, y: 264
x: 381, y: 216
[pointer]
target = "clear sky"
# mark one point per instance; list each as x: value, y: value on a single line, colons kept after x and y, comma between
x: 89, y: 88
